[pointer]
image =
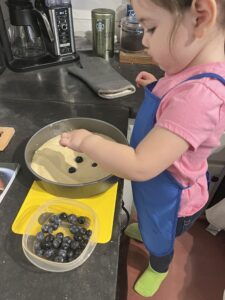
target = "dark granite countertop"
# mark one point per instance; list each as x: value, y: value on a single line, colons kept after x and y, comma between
x: 29, y: 101
x: 55, y: 84
x: 96, y: 279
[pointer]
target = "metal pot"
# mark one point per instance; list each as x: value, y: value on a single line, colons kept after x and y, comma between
x: 81, y: 190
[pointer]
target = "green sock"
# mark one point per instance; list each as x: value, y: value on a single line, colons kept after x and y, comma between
x: 149, y: 282
x: 133, y: 232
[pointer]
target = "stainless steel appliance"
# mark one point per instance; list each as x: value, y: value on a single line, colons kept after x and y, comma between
x: 61, y: 19
x: 37, y: 33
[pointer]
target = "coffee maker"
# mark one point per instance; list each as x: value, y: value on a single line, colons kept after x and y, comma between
x: 37, y: 33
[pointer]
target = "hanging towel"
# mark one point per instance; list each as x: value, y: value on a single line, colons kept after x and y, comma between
x: 100, y: 76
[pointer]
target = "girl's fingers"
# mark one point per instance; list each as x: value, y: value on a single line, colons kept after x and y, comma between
x: 64, y: 139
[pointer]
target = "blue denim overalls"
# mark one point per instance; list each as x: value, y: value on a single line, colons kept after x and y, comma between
x: 157, y: 200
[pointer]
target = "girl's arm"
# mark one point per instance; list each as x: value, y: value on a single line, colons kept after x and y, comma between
x: 157, y: 151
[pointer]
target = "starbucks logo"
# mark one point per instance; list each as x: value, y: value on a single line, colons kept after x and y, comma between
x: 100, y: 26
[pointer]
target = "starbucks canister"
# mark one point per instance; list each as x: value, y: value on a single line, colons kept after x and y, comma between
x: 103, y: 25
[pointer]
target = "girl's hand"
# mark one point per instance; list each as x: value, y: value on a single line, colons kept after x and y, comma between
x: 73, y: 139
x: 144, y: 78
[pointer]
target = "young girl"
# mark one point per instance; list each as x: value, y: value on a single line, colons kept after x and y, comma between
x: 178, y: 125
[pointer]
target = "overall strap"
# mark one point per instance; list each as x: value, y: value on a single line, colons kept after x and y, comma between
x: 151, y: 86
x: 198, y: 76
x: 209, y: 75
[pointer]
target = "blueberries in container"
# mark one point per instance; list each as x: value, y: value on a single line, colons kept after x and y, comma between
x: 60, y: 248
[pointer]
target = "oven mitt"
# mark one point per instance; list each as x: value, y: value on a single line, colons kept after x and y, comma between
x: 102, y: 78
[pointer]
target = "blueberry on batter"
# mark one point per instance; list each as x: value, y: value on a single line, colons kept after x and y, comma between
x: 79, y: 159
x: 72, y: 170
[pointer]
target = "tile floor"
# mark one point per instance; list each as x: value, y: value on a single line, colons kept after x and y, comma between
x: 196, y: 273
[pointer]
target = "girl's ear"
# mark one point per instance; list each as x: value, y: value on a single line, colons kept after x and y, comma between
x: 205, y: 15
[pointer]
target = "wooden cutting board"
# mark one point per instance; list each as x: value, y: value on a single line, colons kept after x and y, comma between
x: 6, y: 133
x: 135, y: 58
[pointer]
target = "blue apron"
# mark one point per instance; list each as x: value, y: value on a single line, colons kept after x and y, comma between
x: 157, y: 200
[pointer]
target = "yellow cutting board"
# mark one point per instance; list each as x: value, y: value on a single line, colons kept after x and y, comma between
x: 103, y: 204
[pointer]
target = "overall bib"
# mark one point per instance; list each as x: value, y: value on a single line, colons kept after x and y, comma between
x: 157, y: 200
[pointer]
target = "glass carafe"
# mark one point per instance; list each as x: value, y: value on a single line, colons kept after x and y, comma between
x: 25, y: 43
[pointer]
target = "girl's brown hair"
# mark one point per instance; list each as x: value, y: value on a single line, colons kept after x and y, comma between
x: 173, y: 5
x: 180, y: 6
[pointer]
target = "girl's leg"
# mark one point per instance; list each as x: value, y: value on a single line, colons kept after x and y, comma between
x: 161, y: 263
x: 149, y: 282
x: 183, y: 225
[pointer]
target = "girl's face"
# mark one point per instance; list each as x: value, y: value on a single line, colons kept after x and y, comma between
x: 172, y: 50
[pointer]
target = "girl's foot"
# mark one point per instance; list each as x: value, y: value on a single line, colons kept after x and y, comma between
x: 133, y: 232
x: 149, y: 282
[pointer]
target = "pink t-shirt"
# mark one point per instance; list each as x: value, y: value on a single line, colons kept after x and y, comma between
x: 194, y: 110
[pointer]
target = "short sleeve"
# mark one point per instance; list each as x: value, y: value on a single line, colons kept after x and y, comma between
x: 190, y: 111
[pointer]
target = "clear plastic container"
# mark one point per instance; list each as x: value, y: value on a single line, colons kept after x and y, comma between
x: 42, y: 215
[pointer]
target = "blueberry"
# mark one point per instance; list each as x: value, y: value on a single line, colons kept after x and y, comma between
x: 46, y: 245
x: 44, y: 228
x: 89, y: 232
x: 49, y: 238
x: 62, y: 253
x: 39, y: 252
x: 70, y: 253
x: 78, y: 252
x: 55, y: 226
x: 74, y: 229
x: 79, y: 159
x: 78, y: 237
x: 37, y: 245
x: 83, y: 231
x: 74, y: 245
x: 40, y: 236
x: 86, y: 238
x: 50, y: 229
x: 94, y: 165
x: 81, y: 220
x: 49, y: 253
x: 72, y: 170
x: 63, y: 216
x: 83, y: 244
x: 60, y: 235
x: 65, y: 246
x: 56, y: 243
x: 67, y: 239
x: 51, y: 219
x: 54, y: 219
x: 72, y: 219
x: 59, y: 259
